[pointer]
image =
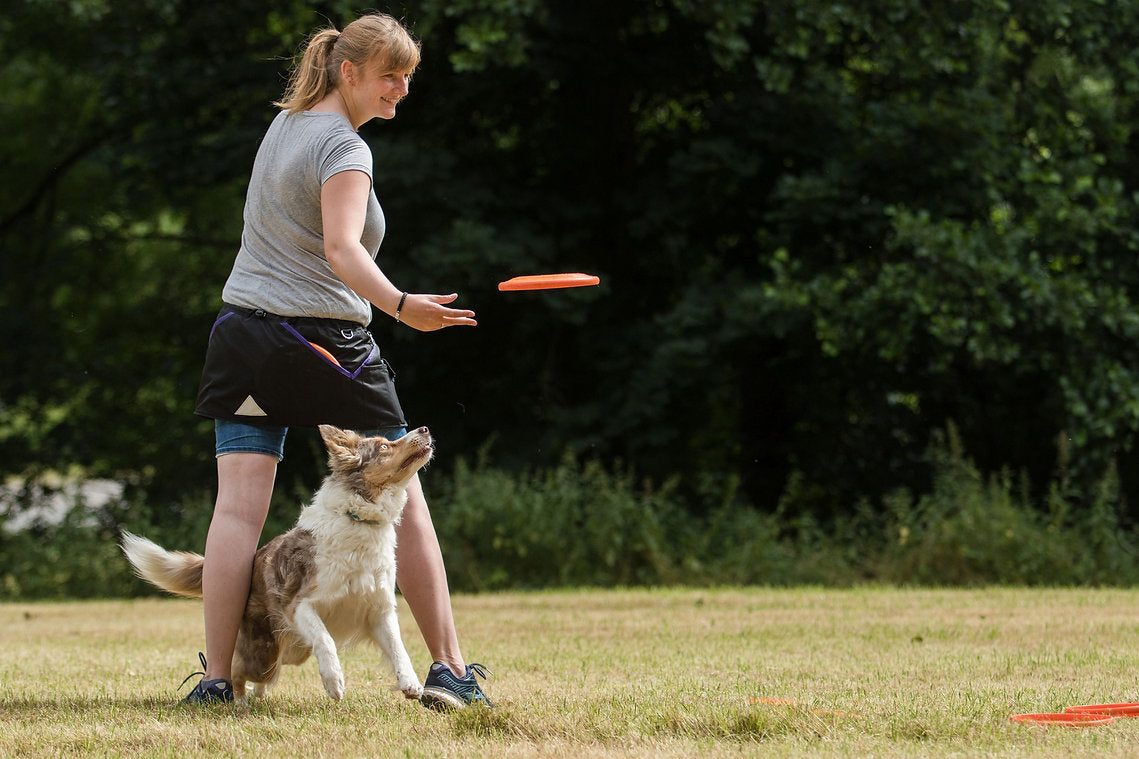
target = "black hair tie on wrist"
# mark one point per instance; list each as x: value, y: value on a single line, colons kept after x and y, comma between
x: 400, y: 306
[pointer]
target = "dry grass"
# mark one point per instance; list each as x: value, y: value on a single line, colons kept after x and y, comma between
x: 873, y: 672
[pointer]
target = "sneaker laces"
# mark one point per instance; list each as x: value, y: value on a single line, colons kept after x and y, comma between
x: 202, y: 659
x: 474, y: 668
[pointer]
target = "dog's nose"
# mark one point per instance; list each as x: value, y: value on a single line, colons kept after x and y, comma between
x: 424, y: 430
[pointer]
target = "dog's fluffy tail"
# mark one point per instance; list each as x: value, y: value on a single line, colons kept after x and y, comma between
x: 177, y: 572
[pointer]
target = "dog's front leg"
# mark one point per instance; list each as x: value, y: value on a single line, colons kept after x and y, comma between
x: 310, y: 626
x: 385, y: 631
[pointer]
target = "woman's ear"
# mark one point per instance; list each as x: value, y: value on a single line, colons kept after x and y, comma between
x: 348, y: 72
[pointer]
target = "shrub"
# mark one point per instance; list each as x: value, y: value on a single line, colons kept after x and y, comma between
x: 582, y: 524
x: 972, y: 530
x: 575, y: 524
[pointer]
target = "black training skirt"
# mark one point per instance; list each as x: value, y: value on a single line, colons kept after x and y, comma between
x: 271, y: 370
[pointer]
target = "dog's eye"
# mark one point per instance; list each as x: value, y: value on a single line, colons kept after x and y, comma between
x: 383, y: 446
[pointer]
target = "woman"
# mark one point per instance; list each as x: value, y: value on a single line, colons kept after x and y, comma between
x: 305, y: 277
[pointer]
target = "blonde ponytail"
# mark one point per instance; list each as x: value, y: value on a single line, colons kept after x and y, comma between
x: 311, y: 78
x: 376, y: 38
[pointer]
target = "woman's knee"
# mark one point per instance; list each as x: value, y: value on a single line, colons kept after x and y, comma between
x: 245, y: 488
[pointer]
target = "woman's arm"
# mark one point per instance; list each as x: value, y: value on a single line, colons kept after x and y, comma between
x: 344, y: 206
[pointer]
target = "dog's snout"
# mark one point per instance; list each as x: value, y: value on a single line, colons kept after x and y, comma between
x: 424, y: 431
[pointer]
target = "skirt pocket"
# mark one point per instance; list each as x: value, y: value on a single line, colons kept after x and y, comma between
x: 327, y: 374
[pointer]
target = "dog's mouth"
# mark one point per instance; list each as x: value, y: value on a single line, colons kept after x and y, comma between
x: 419, y: 456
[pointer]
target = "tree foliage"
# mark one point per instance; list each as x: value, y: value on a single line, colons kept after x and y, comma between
x: 823, y: 230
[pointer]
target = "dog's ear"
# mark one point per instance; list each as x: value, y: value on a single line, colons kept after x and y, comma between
x: 343, y: 446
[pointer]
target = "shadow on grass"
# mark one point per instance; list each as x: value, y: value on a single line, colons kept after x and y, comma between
x: 744, y: 725
x: 48, y: 708
x: 43, y: 707
x: 757, y: 724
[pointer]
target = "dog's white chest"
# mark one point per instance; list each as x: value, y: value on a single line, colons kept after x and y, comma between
x: 353, y: 582
x: 357, y: 565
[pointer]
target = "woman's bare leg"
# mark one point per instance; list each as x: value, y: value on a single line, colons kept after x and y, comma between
x: 245, y: 486
x: 422, y: 579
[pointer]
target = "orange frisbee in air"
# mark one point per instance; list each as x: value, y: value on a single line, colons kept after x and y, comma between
x: 1066, y: 719
x: 549, y: 282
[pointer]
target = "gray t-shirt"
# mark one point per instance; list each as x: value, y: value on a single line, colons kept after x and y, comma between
x: 280, y: 266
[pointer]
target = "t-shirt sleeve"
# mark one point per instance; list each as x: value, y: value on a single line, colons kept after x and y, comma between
x: 347, y: 152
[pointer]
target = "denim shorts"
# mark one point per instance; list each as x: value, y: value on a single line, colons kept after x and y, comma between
x: 234, y: 437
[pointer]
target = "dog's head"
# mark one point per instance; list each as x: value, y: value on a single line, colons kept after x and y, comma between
x: 369, y: 465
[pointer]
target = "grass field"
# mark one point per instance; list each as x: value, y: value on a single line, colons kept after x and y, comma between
x: 871, y: 673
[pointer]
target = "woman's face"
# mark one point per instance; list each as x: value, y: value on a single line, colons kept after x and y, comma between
x: 375, y: 93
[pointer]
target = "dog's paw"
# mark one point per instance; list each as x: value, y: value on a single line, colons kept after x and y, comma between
x: 407, y: 681
x: 334, y: 684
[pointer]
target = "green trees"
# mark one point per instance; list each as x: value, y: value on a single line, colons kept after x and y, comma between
x: 990, y: 277
x: 824, y: 230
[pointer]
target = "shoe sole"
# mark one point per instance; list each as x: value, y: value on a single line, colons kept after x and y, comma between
x: 197, y: 698
x: 208, y: 702
x: 441, y: 699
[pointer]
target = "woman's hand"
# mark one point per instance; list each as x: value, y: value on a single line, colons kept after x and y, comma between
x: 428, y: 313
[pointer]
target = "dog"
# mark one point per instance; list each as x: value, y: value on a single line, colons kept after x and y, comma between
x: 329, y: 581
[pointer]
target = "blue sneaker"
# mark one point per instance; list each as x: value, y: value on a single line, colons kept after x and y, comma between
x: 443, y: 690
x: 219, y: 691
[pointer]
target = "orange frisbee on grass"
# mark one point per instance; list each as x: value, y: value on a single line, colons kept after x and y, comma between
x: 1064, y: 719
x: 548, y: 282
x: 1116, y: 710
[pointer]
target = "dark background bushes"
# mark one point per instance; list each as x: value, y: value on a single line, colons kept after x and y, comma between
x: 579, y: 524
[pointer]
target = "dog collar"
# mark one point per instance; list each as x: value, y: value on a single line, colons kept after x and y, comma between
x: 356, y: 518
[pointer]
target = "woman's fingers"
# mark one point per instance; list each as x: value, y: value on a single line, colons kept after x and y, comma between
x: 435, y: 314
